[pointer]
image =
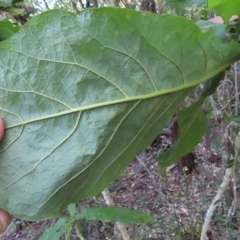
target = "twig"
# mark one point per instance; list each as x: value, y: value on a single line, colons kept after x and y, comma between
x: 30, y: 225
x: 46, y: 5
x: 236, y: 88
x: 141, y: 158
x: 232, y: 209
x: 78, y: 231
x: 63, y: 3
x: 109, y: 202
x: 95, y: 3
x: 214, y: 204
x: 74, y: 5
x: 226, y: 180
x: 81, y: 3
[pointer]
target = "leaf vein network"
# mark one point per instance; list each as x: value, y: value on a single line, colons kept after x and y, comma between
x: 156, y: 119
x: 169, y: 59
x: 130, y: 56
x: 80, y: 65
x: 42, y: 159
x: 115, y: 159
x: 108, y: 142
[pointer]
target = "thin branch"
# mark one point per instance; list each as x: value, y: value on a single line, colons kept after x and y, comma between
x: 95, y: 3
x: 236, y: 88
x: 233, y: 207
x: 215, y: 203
x: 88, y: 4
x: 64, y: 4
x: 226, y: 180
x: 78, y: 231
x: 75, y: 6
x: 46, y: 5
x: 141, y: 158
x: 81, y: 3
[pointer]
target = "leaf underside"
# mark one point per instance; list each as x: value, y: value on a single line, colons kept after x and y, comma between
x: 81, y: 96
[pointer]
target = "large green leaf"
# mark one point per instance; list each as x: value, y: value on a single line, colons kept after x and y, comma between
x: 116, y: 214
x: 81, y: 96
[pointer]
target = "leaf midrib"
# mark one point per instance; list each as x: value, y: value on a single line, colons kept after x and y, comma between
x: 113, y: 161
x: 122, y: 100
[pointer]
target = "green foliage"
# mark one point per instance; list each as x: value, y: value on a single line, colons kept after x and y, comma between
x: 10, y: 7
x: 72, y: 209
x: 224, y: 8
x: 192, y: 124
x: 233, y: 118
x: 116, y: 214
x: 211, y: 85
x: 85, y: 94
x: 7, y: 29
x: 8, y: 3
x: 57, y: 230
x: 61, y: 226
x: 106, y: 214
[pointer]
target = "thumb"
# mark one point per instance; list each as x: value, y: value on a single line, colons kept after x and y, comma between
x: 5, y: 219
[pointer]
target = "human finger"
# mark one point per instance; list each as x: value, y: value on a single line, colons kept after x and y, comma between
x: 5, y: 220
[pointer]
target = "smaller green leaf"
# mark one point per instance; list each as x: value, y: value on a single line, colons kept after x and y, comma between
x: 211, y: 85
x: 234, y: 119
x: 5, y: 34
x: 192, y: 124
x: 207, y: 26
x: 225, y: 8
x: 7, y: 29
x: 209, y: 114
x: 227, y: 118
x: 72, y: 209
x: 116, y: 214
x: 56, y: 231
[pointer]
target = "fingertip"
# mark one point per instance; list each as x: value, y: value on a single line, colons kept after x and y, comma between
x: 5, y: 220
x: 2, y: 126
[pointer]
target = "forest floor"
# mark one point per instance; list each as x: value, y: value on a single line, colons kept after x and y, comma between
x: 179, y: 203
